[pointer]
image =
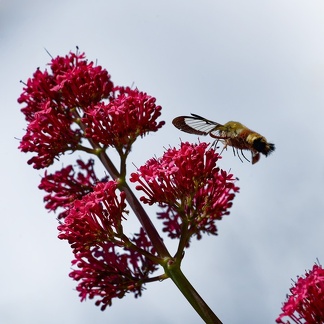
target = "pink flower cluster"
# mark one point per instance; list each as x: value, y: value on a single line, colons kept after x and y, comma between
x: 109, y: 264
x: 66, y: 186
x: 192, y: 189
x: 77, y: 100
x: 306, y: 302
x: 129, y: 114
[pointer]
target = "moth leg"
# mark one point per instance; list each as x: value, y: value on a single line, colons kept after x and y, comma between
x: 238, y: 154
x: 224, y: 148
x: 244, y: 156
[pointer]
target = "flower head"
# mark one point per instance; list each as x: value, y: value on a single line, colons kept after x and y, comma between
x: 191, y: 188
x: 49, y: 135
x: 306, y: 302
x: 108, y: 264
x: 80, y: 83
x: 94, y: 218
x: 50, y: 102
x: 72, y: 82
x: 66, y: 186
x: 129, y: 114
x: 105, y: 272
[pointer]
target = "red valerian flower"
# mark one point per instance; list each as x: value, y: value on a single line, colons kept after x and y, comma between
x: 187, y: 182
x: 37, y: 93
x: 49, y: 135
x: 109, y: 264
x: 306, y: 302
x: 73, y: 82
x: 66, y: 185
x: 129, y: 114
x: 80, y: 83
x: 106, y: 273
x: 95, y: 218
x: 51, y: 100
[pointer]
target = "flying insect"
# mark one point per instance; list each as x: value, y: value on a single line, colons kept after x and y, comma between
x: 233, y: 134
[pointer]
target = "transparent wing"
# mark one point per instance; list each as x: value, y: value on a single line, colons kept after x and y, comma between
x: 195, y: 124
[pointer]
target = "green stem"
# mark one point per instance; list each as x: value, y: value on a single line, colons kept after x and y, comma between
x: 183, y: 241
x: 191, y: 295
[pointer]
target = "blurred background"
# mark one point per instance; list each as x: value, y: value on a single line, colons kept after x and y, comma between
x: 257, y: 62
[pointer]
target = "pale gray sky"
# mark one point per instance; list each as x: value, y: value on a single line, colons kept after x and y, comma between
x: 257, y: 62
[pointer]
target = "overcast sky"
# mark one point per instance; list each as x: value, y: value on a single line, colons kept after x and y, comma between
x: 259, y: 62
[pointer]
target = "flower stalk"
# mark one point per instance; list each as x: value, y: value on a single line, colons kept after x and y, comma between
x: 174, y: 272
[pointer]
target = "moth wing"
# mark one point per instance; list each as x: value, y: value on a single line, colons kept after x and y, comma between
x: 195, y: 124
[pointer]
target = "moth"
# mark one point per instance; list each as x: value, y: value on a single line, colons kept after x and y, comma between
x: 233, y: 134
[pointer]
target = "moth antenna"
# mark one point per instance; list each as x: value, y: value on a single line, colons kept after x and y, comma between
x: 48, y: 52
x: 214, y: 145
